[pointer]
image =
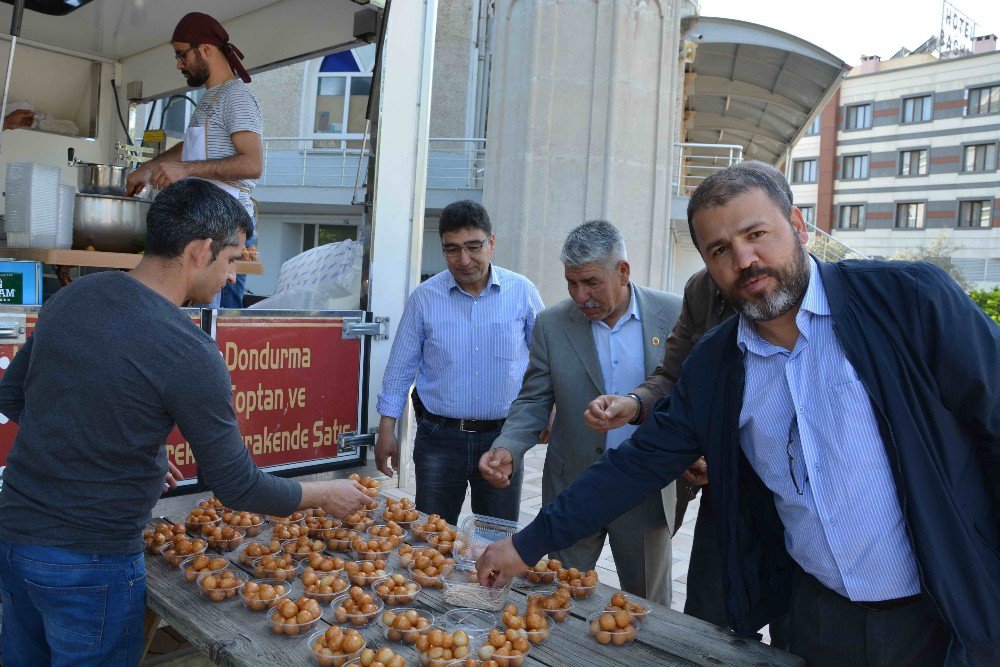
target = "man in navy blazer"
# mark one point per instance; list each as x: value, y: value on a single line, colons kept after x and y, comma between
x: 850, y: 417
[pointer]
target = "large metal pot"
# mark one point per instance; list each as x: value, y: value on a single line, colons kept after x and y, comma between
x: 99, y: 179
x: 108, y: 223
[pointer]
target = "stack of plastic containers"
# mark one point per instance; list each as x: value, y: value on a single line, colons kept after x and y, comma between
x: 64, y: 231
x: 32, y: 205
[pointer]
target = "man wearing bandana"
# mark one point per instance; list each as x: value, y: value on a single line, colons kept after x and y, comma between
x: 223, y: 141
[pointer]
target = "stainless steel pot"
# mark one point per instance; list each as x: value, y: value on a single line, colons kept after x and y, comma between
x: 109, y: 223
x: 99, y: 179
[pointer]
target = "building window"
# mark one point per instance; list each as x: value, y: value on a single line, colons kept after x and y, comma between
x: 343, y: 84
x: 980, y: 157
x: 910, y: 215
x: 804, y: 171
x: 859, y: 117
x: 813, y: 128
x: 852, y: 216
x: 913, y: 163
x: 808, y: 214
x: 173, y: 113
x: 975, y: 213
x: 854, y: 167
x: 983, y: 100
x: 314, y: 236
x: 917, y: 109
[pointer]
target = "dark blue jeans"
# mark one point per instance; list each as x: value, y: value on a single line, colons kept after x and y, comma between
x: 232, y: 295
x: 67, y: 608
x: 447, y: 462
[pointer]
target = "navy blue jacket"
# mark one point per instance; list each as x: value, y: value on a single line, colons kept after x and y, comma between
x: 930, y: 360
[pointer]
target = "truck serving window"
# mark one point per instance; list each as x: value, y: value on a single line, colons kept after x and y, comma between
x: 51, y: 7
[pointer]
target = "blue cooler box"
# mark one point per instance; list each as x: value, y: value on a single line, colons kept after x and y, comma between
x: 20, y: 283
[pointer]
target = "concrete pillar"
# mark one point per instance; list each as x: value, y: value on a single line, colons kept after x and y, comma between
x: 400, y: 183
x: 581, y: 124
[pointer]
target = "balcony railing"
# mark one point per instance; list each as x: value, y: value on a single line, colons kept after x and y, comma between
x: 826, y: 248
x: 696, y: 162
x: 309, y: 162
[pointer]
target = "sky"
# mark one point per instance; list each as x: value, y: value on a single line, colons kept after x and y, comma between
x: 851, y: 28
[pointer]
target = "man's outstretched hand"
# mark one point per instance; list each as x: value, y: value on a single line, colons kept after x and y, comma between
x: 610, y: 411
x: 499, y: 564
x: 496, y: 466
x: 172, y: 477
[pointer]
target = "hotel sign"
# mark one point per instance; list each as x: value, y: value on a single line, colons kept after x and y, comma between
x: 957, y: 30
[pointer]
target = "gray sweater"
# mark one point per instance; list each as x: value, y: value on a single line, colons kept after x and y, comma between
x: 111, y: 367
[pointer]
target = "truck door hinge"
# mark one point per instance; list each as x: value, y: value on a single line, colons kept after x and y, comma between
x: 354, y: 328
x: 348, y: 443
x: 12, y: 329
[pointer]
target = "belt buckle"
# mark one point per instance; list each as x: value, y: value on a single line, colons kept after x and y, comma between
x: 461, y: 425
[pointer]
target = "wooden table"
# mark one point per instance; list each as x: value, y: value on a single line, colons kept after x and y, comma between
x: 231, y: 634
x: 102, y: 260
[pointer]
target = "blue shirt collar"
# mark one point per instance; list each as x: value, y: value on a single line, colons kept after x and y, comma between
x: 493, y: 282
x: 632, y: 312
x: 814, y: 302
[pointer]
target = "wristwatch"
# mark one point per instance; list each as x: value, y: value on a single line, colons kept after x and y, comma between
x: 635, y: 421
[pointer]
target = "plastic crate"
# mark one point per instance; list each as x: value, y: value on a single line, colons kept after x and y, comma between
x: 475, y: 533
x: 461, y: 589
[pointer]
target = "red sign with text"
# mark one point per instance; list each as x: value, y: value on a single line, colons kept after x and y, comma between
x: 8, y: 429
x: 295, y: 388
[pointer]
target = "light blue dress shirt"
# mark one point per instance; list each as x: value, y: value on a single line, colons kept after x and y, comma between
x: 466, y: 354
x: 846, y: 528
x: 621, y: 353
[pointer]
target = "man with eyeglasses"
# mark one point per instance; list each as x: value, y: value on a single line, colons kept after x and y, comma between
x: 463, y: 344
x: 223, y: 141
x: 850, y: 417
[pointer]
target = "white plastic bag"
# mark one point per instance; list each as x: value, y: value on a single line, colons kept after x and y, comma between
x: 324, y: 278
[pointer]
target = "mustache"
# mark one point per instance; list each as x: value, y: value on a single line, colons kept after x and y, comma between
x: 753, y: 272
x: 590, y: 304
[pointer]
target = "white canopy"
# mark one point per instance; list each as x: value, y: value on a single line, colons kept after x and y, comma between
x: 137, y: 32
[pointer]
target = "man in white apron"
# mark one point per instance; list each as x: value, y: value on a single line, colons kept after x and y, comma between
x: 223, y: 140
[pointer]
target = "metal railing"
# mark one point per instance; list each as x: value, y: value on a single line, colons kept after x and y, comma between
x: 456, y: 163
x: 826, y: 248
x: 696, y: 162
x: 310, y: 162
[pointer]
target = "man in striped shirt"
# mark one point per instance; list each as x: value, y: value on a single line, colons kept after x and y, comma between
x: 223, y: 140
x: 463, y: 343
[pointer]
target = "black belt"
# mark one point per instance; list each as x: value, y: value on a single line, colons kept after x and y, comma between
x: 883, y: 605
x: 874, y: 605
x: 467, y: 425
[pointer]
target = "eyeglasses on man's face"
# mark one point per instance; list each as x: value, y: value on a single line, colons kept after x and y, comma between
x: 182, y: 56
x: 472, y: 247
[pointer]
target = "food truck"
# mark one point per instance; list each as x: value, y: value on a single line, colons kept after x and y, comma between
x: 303, y: 383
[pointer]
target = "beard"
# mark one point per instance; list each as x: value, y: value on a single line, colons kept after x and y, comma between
x: 197, y: 75
x: 792, y: 279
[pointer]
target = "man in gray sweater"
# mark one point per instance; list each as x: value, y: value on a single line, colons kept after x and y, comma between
x: 113, y: 365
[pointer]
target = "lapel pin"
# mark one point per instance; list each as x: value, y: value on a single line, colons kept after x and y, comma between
x: 656, y: 340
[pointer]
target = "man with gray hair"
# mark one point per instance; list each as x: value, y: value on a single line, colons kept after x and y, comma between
x: 604, y: 339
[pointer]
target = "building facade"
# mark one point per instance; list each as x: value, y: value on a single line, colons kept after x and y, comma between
x: 907, y: 152
x: 578, y: 129
x: 315, y: 152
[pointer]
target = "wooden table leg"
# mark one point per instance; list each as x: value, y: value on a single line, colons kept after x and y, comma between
x: 149, y: 628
